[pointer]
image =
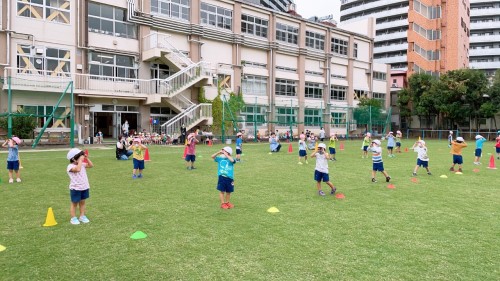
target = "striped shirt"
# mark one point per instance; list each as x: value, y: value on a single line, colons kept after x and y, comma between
x: 377, y: 154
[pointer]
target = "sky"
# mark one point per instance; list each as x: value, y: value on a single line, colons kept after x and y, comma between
x: 320, y: 8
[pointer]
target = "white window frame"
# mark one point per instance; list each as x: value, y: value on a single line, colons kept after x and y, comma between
x: 285, y: 87
x: 254, y: 85
x: 287, y: 33
x: 254, y: 26
x: 338, y: 119
x: 338, y: 92
x: 43, y: 60
x: 340, y: 46
x: 130, y: 72
x: 286, y: 115
x: 313, y: 90
x: 45, y: 10
x: 131, y: 28
x: 315, y: 40
x: 312, y: 117
x: 176, y: 9
x: 216, y: 16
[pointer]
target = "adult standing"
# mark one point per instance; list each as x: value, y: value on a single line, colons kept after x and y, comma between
x: 183, y: 134
x: 322, y: 134
x: 274, y: 143
x: 121, y: 149
x: 125, y: 128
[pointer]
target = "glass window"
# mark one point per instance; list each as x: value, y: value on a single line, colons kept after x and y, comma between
x: 254, y: 85
x: 286, y: 33
x: 315, y: 40
x: 314, y: 90
x: 254, y: 113
x: 338, y: 92
x: 51, y: 61
x: 49, y: 10
x: 254, y: 26
x: 312, y: 117
x: 379, y: 76
x: 179, y: 9
x: 286, y: 87
x: 286, y: 115
x: 338, y: 119
x: 355, y: 50
x: 340, y: 46
x: 216, y: 16
x: 110, y: 20
x: 110, y: 65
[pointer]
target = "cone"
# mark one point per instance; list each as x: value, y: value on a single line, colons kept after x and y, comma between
x: 273, y: 210
x: 391, y: 186
x: 406, y: 149
x: 492, y: 163
x: 444, y: 176
x: 138, y: 235
x: 210, y: 142
x: 419, y: 139
x: 2, y: 248
x: 339, y: 196
x: 50, y: 220
x: 146, y: 155
x: 86, y: 155
x: 185, y: 152
x: 341, y: 146
x: 290, y: 148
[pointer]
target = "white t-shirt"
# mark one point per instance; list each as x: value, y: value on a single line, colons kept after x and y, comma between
x: 119, y: 145
x: 322, y: 134
x: 321, y: 163
x: 421, y: 153
x: 79, y: 180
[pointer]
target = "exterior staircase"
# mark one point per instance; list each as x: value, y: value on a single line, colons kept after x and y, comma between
x: 190, y: 117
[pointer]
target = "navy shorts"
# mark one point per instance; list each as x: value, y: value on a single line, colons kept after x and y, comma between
x: 13, y: 165
x: 332, y: 150
x: 390, y: 147
x: 497, y: 149
x: 378, y: 167
x: 302, y: 153
x: 225, y: 184
x: 238, y: 151
x: 421, y: 163
x: 190, y: 158
x: 478, y: 152
x: 398, y: 144
x: 319, y: 176
x: 365, y: 148
x: 138, y: 164
x: 78, y: 195
x: 457, y: 159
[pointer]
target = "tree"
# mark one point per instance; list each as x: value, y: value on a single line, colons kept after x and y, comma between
x: 369, y: 111
x: 22, y: 126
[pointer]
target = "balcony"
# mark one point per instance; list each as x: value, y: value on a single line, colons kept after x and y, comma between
x: 485, y: 25
x: 156, y: 46
x: 484, y: 39
x: 376, y: 4
x: 485, y: 65
x: 391, y: 36
x: 387, y: 13
x: 391, y: 48
x: 484, y: 12
x: 391, y: 24
x: 484, y: 52
x: 390, y: 60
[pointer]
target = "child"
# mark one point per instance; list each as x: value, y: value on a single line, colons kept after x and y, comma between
x: 366, y: 143
x: 391, y: 142
x: 78, y: 184
x: 225, y: 184
x: 138, y: 157
x: 191, y: 151
x: 321, y: 171
x: 497, y: 145
x: 422, y: 158
x: 450, y: 138
x: 274, y: 143
x: 479, y: 149
x: 399, y: 136
x: 456, y: 150
x: 331, y: 146
x: 239, y: 144
x: 378, y: 165
x: 13, y: 158
x: 311, y: 145
x: 302, y: 149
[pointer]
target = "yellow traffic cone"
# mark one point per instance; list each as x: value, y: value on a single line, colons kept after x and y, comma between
x: 419, y: 139
x: 50, y: 220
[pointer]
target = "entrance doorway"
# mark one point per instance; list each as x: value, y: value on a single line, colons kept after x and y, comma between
x: 103, y: 121
x: 132, y: 119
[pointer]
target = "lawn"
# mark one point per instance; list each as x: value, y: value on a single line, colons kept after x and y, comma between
x: 433, y: 229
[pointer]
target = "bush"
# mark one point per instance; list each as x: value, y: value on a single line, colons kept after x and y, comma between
x: 22, y: 126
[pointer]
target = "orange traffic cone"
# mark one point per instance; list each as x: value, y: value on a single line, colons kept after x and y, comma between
x: 492, y: 163
x: 290, y: 148
x: 50, y: 220
x: 341, y: 146
x: 406, y: 149
x: 146, y: 155
x: 209, y: 142
x: 86, y: 155
x: 185, y: 152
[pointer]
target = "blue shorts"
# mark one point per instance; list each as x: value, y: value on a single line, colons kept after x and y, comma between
x: 478, y: 152
x: 398, y: 144
x: 421, y: 163
x: 390, y: 147
x: 302, y: 153
x: 318, y: 176
x: 497, y: 149
x: 365, y: 148
x: 238, y: 151
x: 138, y: 164
x: 457, y: 159
x: 378, y: 166
x: 225, y: 184
x: 79, y: 195
x: 13, y: 165
x: 332, y: 150
x: 190, y: 158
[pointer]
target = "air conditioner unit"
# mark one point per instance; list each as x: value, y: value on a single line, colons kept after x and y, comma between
x: 39, y: 51
x: 367, y: 71
x: 394, y: 85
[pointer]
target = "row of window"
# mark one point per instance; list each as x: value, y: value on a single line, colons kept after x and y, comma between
x: 428, y: 55
x: 430, y: 12
x: 49, y: 10
x: 286, y: 115
x: 428, y: 34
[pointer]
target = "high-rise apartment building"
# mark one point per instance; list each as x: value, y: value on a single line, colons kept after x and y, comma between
x: 151, y: 62
x: 485, y: 35
x: 416, y: 35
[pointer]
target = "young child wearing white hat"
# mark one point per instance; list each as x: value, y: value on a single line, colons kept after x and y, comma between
x: 378, y: 164
x: 321, y: 170
x: 422, y: 157
x: 456, y: 149
x: 480, y: 140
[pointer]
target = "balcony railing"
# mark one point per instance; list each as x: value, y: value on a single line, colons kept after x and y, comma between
x: 157, y: 40
x: 187, y: 77
x: 190, y: 118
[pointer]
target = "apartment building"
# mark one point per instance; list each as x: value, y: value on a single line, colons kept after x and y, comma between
x: 416, y: 35
x: 485, y: 35
x: 277, y: 5
x: 148, y: 61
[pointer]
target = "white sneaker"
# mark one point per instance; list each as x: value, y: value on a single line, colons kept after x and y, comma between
x: 11, y: 180
x: 74, y: 220
x: 18, y: 180
x: 300, y: 163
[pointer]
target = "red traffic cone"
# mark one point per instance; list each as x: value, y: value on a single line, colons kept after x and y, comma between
x: 492, y: 163
x: 185, y: 152
x: 406, y: 149
x: 86, y: 152
x: 146, y: 155
x: 290, y: 148
x: 209, y: 142
x: 341, y: 146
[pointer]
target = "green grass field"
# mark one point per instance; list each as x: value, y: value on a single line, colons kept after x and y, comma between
x: 435, y: 229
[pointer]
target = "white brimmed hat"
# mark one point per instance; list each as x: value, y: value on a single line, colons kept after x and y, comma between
x: 479, y: 137
x: 377, y: 142
x: 239, y: 134
x: 228, y: 149
x: 322, y: 145
x: 72, y: 153
x: 422, y: 142
x: 460, y: 139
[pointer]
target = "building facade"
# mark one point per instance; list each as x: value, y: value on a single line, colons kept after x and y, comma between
x: 485, y: 35
x: 151, y: 62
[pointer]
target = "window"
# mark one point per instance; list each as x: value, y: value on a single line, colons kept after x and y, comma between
x: 338, y: 76
x: 110, y: 20
x: 110, y: 65
x: 378, y: 96
x: 60, y: 115
x: 360, y: 94
x: 428, y: 34
x: 254, y: 85
x: 43, y: 60
x: 427, y: 11
x: 312, y: 117
x: 161, y: 110
x: 286, y: 115
x: 287, y: 33
x: 178, y: 9
x: 428, y: 55
x: 254, y: 113
x: 286, y: 87
x: 314, y: 73
x: 254, y: 26
x: 216, y: 16
x: 340, y: 46
x: 338, y: 119
x: 338, y: 92
x: 355, y: 50
x: 418, y: 69
x: 286, y: 69
x: 50, y: 10
x: 315, y: 40
x: 379, y: 76
x: 254, y: 64
x: 314, y: 90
